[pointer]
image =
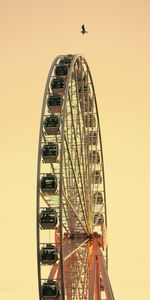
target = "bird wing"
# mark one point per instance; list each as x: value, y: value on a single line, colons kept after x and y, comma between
x: 83, y: 27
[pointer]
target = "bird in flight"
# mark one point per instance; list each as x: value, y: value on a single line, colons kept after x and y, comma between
x: 83, y: 31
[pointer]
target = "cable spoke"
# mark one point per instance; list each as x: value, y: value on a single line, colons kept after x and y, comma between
x: 76, y: 182
x: 75, y: 212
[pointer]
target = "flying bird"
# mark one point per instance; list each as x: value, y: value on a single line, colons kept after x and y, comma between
x: 83, y: 31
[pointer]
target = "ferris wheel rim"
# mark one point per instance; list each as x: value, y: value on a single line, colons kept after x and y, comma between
x: 38, y: 170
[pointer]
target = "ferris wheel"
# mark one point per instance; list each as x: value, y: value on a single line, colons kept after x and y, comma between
x: 71, y: 203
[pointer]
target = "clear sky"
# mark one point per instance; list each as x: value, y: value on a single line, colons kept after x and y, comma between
x: 117, y: 49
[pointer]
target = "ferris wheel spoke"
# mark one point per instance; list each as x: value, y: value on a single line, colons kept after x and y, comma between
x: 86, y: 146
x: 72, y: 144
x: 75, y: 213
x: 80, y: 114
x: 82, y: 139
x: 76, y: 149
x: 66, y: 205
x: 75, y: 117
x: 77, y: 169
x: 76, y: 183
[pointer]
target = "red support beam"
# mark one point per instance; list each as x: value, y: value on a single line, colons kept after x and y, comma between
x: 105, y: 277
x: 97, y: 269
x: 97, y: 283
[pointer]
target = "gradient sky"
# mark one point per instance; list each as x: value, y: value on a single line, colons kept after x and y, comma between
x: 117, y: 49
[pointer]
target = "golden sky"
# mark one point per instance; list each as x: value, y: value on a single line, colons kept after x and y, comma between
x: 117, y: 49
